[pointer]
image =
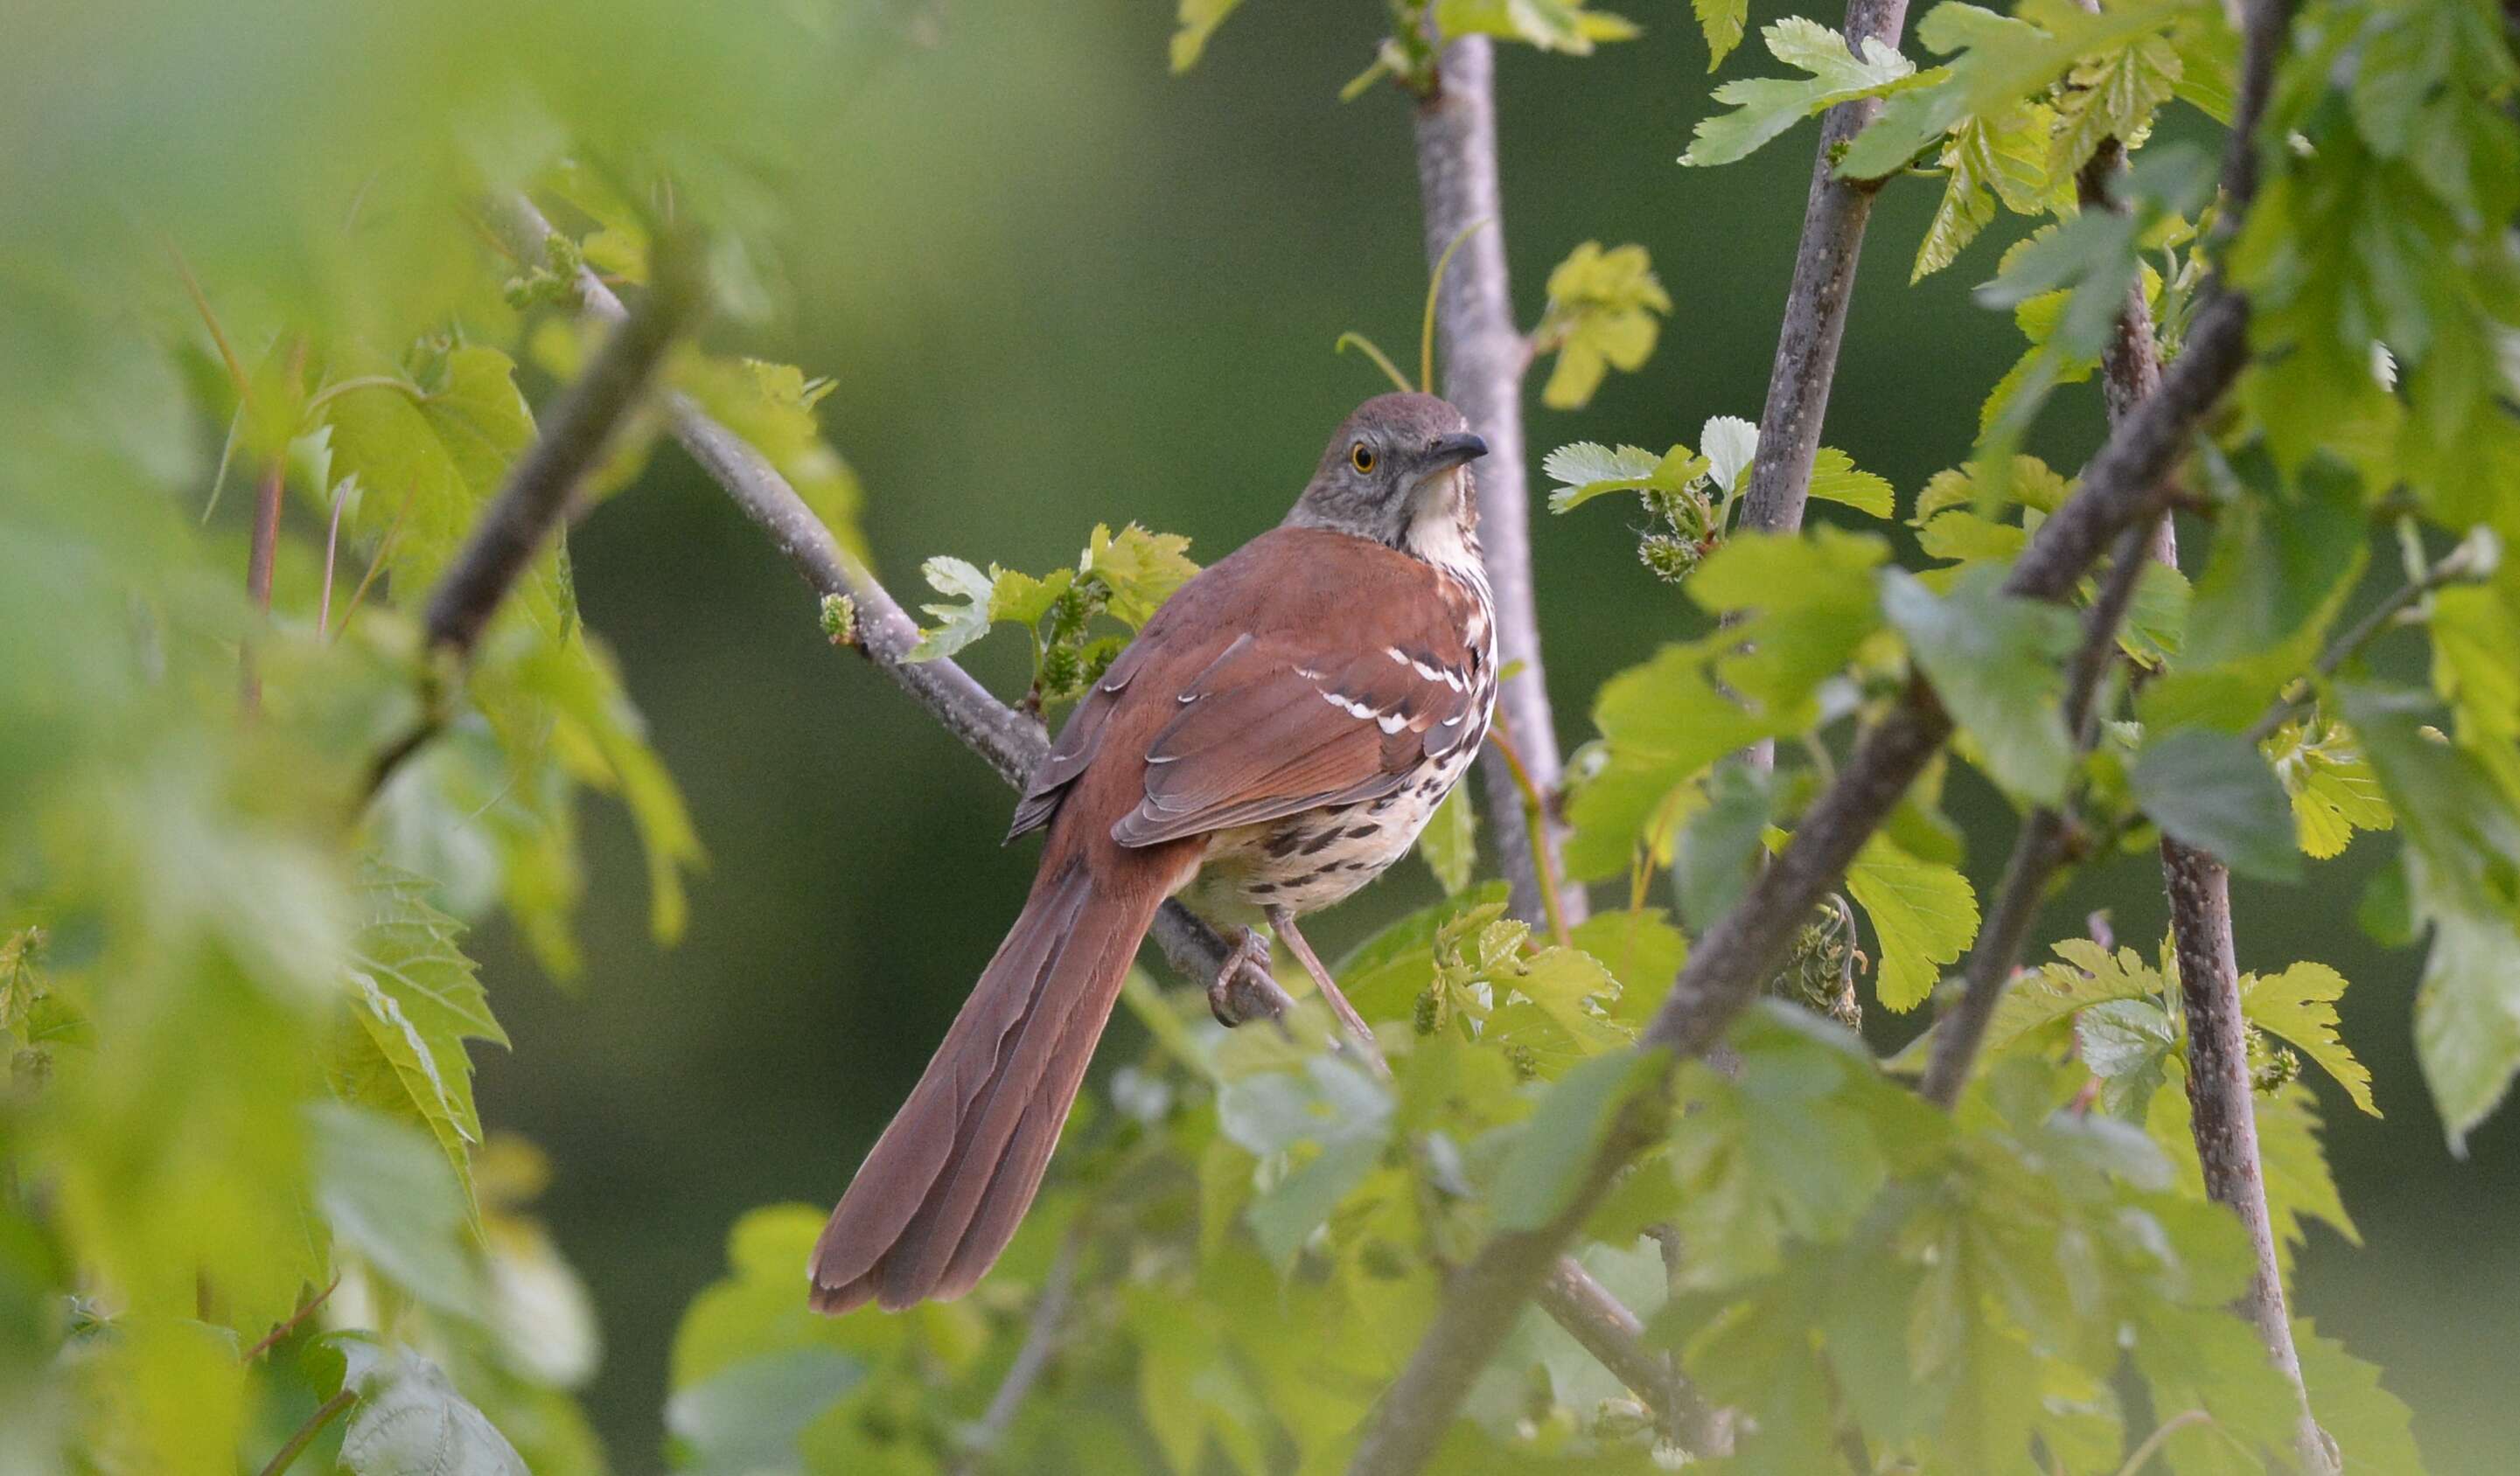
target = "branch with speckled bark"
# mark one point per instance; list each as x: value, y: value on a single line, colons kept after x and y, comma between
x: 1815, y: 322
x: 1484, y: 359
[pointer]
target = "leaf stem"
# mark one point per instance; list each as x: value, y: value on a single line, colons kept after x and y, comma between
x: 325, y: 1413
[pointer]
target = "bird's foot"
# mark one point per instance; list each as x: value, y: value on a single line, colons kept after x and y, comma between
x: 1251, y: 951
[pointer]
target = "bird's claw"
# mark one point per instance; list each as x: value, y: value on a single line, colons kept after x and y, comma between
x: 1251, y: 951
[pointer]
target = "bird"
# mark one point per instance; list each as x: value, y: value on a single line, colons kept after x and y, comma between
x: 1273, y: 738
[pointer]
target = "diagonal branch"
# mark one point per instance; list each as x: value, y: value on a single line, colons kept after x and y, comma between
x: 1815, y: 320
x: 1484, y: 357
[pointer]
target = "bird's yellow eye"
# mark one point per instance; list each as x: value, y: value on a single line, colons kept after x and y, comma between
x: 1361, y: 457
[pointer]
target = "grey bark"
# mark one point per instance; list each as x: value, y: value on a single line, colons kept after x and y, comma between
x: 1484, y: 358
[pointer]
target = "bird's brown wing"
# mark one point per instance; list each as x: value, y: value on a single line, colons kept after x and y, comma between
x: 1240, y: 703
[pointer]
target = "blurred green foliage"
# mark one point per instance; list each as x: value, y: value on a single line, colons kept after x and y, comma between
x: 252, y: 1212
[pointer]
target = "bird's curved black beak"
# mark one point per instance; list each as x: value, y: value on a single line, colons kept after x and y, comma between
x: 1455, y: 449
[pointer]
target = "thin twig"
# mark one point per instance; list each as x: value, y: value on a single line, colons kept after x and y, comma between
x: 261, y: 554
x: 325, y: 1413
x: 376, y: 562
x: 2124, y: 483
x: 1032, y: 1358
x: 1484, y: 358
x: 283, y: 1329
x: 2153, y: 1441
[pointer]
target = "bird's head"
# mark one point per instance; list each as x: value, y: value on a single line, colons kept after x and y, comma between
x: 1397, y: 472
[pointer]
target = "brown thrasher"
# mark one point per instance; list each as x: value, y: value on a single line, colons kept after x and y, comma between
x: 1275, y: 736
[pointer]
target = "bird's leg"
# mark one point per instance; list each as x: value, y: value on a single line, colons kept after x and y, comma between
x: 1283, y: 922
x: 1251, y: 951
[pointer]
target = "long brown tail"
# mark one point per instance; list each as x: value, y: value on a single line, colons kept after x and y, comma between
x: 941, y: 1192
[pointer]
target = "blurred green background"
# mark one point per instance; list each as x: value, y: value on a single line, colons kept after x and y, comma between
x: 1057, y: 285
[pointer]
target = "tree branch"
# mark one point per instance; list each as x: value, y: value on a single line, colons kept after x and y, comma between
x: 1615, y: 1338
x: 1815, y: 320
x: 2221, y: 1099
x: 1484, y: 358
x: 1041, y: 1336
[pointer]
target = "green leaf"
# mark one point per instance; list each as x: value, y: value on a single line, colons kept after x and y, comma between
x: 2373, y: 1427
x: 1925, y: 913
x: 2462, y: 861
x: 747, y: 1418
x: 1810, y: 602
x: 2334, y: 791
x: 1561, y: 25
x: 1992, y: 659
x: 1602, y: 314
x: 414, y: 1001
x: 2089, y: 975
x: 1449, y: 844
x: 1557, y: 1009
x: 2028, y: 481
x: 958, y: 624
x: 1833, y: 478
x: 1999, y: 157
x: 1766, y: 106
x: 390, y: 1195
x: 1996, y: 61
x: 1200, y: 19
x: 1140, y: 569
x: 1723, y: 844
x: 1563, y: 1134
x: 1586, y: 470
x: 1722, y: 22
x: 2299, y: 1006
x: 1731, y: 444
x: 2214, y: 792
x: 410, y: 1420
x: 2112, y: 95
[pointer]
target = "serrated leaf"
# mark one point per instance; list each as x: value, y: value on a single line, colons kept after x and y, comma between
x: 2214, y: 792
x: 2372, y: 1426
x: 1763, y: 107
x: 2299, y: 1006
x: 1603, y: 314
x: 1925, y: 915
x: 1200, y: 19
x: 1558, y: 1008
x: 1722, y: 22
x: 2000, y: 157
x: 410, y: 1420
x: 416, y: 999
x: 2334, y: 791
x: 1731, y: 444
x: 1141, y: 569
x: 2028, y: 481
x: 2112, y: 95
x: 1449, y: 846
x: 1833, y: 478
x: 964, y: 618
x: 1586, y: 470
x: 1992, y: 659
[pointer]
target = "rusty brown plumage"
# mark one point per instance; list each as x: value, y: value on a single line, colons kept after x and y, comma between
x: 1283, y: 725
